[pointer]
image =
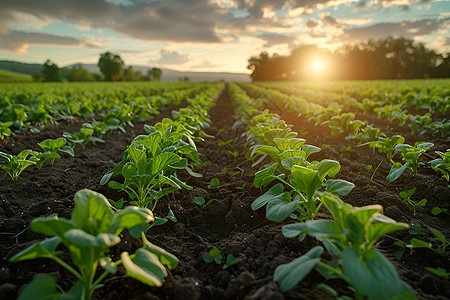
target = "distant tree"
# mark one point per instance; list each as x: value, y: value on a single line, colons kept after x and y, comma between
x: 78, y: 73
x: 185, y: 78
x: 130, y: 75
x: 112, y: 66
x: 37, y: 77
x: 155, y: 74
x: 50, y: 71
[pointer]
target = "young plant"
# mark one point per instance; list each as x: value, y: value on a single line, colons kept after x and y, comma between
x: 147, y: 173
x: 442, y: 164
x: 214, y: 255
x: 416, y: 243
x: 51, y: 148
x: 5, y: 130
x: 93, y: 229
x: 386, y: 145
x: 406, y: 198
x: 214, y: 183
x: 14, y: 165
x: 83, y: 137
x: 299, y: 201
x: 351, y: 236
x: 202, y: 202
x: 410, y: 155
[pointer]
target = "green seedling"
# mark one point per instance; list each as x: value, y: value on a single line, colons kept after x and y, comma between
x: 14, y: 165
x: 93, y: 229
x: 351, y: 236
x: 347, y: 149
x: 213, y: 255
x: 214, y: 183
x: 410, y: 155
x: 416, y: 243
x: 406, y: 198
x: 441, y: 272
x: 51, y: 149
x: 5, y: 130
x: 233, y: 153
x: 117, y: 204
x: 231, y: 260
x: 386, y: 145
x: 146, y: 174
x: 223, y: 143
x: 437, y: 210
x: 416, y: 229
x: 83, y: 137
x: 202, y: 202
x: 241, y: 187
x: 368, y: 168
x: 442, y: 164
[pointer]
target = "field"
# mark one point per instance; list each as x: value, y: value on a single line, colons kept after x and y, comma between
x: 7, y: 76
x: 241, y: 178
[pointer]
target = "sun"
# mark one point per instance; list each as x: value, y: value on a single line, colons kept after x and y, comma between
x: 318, y: 65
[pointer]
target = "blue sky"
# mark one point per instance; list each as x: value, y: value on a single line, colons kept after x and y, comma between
x: 207, y: 35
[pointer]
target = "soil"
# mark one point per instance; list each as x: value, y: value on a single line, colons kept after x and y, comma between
x: 228, y: 223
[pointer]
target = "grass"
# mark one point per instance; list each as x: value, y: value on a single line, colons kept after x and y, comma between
x: 8, y: 76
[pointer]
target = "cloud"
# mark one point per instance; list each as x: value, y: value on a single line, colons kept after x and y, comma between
x: 205, y: 64
x: 406, y: 29
x: 312, y: 23
x: 172, y: 57
x: 19, y: 41
x: 329, y: 20
x: 277, y: 39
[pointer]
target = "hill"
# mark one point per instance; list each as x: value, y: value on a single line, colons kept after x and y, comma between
x: 19, y: 67
x: 172, y: 75
x: 7, y: 76
x: 167, y: 74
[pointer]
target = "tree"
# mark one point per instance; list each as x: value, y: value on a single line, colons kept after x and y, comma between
x: 50, y: 71
x: 111, y: 65
x: 154, y: 74
x: 78, y: 73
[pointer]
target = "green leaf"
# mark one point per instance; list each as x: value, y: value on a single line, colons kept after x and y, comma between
x: 416, y: 243
x: 106, y: 178
x: 319, y: 229
x: 199, y: 200
x: 374, y: 276
x: 130, y: 217
x: 290, y: 274
x: 45, y: 248
x: 215, y: 182
x: 43, y: 287
x: 166, y: 258
x: 328, y: 167
x: 231, y: 260
x: 52, y: 226
x: 129, y: 170
x: 306, y: 180
x: 213, y: 255
x: 163, y: 160
x: 381, y: 225
x: 115, y: 185
x: 265, y: 176
x: 396, y: 171
x: 339, y: 187
x: 92, y: 212
x: 280, y: 207
x: 439, y: 236
x: 145, y: 267
x: 274, y: 191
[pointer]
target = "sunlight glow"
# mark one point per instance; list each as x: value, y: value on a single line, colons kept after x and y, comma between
x: 318, y: 65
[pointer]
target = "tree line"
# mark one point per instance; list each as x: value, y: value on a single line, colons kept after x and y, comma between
x: 391, y: 58
x: 111, y: 66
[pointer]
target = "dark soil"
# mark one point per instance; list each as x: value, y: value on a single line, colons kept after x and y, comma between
x: 228, y: 224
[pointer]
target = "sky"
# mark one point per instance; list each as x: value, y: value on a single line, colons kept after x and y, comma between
x: 207, y: 35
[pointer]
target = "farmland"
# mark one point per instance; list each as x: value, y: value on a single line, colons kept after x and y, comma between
x: 254, y: 190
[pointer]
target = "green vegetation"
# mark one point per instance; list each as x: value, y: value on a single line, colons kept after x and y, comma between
x: 88, y: 235
x: 8, y: 76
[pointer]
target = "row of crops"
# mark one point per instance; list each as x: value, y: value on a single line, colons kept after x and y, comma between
x: 403, y: 125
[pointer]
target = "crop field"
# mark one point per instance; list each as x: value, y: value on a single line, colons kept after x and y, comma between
x: 268, y: 190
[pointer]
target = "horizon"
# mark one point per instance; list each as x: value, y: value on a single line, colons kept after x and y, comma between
x: 207, y: 35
